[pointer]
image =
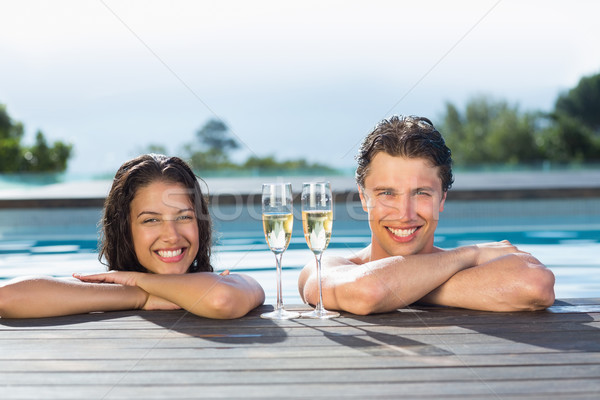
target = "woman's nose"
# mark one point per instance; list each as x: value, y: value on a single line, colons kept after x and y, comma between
x: 170, y: 231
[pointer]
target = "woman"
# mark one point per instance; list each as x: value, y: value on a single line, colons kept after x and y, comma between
x: 156, y: 238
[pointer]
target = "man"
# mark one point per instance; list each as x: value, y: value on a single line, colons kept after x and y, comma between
x: 403, y: 175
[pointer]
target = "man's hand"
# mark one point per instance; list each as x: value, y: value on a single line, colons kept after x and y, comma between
x: 489, y: 251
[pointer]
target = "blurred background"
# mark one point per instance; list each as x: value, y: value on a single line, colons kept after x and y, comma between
x: 269, y: 86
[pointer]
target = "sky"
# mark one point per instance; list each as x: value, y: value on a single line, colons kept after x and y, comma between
x: 294, y: 80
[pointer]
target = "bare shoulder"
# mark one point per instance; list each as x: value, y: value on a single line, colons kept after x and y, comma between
x: 358, y: 258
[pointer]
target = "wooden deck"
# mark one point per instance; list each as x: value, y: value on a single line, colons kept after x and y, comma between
x: 424, y: 353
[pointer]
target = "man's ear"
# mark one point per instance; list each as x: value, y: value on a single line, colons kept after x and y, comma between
x: 443, y: 201
x: 363, y: 200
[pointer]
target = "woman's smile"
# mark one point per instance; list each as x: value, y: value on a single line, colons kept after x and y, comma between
x: 171, y: 255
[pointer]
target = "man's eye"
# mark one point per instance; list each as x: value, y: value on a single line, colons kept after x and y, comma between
x: 423, y: 193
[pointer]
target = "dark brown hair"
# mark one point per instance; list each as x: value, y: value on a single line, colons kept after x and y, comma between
x: 116, y: 244
x: 411, y: 137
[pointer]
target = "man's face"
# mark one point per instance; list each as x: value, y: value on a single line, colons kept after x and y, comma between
x: 403, y: 197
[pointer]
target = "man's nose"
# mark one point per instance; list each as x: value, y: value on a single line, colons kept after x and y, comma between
x: 404, y: 207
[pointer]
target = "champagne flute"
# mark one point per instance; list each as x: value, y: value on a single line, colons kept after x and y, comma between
x: 278, y: 220
x: 317, y: 221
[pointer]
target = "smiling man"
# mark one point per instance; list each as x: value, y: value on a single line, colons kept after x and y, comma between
x: 403, y: 175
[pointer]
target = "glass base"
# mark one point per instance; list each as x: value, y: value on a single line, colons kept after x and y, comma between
x: 280, y: 313
x: 320, y: 314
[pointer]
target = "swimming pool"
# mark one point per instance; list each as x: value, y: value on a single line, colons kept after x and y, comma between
x: 563, y: 234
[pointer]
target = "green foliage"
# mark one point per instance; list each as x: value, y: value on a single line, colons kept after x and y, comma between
x: 494, y: 132
x: 212, y: 150
x: 566, y: 139
x: 215, y: 142
x: 574, y: 132
x: 582, y: 103
x: 215, y: 136
x: 269, y: 165
x: 490, y: 132
x: 14, y: 157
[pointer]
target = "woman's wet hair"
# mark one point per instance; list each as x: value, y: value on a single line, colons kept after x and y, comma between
x: 116, y: 248
x: 410, y: 137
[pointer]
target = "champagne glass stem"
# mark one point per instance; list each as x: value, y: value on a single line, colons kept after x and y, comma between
x: 319, y: 307
x: 278, y: 256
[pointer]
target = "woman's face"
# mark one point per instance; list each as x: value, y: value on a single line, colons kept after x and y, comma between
x: 164, y: 228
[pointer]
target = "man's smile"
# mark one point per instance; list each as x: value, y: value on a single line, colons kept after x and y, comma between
x: 402, y: 232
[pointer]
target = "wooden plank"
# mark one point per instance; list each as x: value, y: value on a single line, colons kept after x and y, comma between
x: 420, y: 352
x: 359, y: 362
x: 443, y: 389
x: 176, y: 320
x: 339, y: 375
x: 582, y: 340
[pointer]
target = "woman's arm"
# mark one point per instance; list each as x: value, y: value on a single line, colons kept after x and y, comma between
x: 35, y: 297
x: 203, y: 293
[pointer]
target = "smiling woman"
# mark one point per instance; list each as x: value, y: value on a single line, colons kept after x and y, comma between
x: 165, y: 235
x: 156, y: 244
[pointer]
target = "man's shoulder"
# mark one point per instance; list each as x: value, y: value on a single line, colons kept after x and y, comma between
x: 360, y: 257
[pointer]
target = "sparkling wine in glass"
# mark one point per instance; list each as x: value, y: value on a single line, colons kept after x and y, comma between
x: 278, y: 220
x: 317, y: 221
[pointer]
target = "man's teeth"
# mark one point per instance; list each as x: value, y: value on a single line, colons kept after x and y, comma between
x: 402, y: 232
x: 169, y: 253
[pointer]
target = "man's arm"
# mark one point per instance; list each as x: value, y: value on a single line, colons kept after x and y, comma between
x: 203, y: 293
x: 364, y: 287
x: 515, y: 282
x: 36, y: 297
x: 382, y: 285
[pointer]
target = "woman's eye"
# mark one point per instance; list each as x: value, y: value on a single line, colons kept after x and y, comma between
x: 151, y: 221
x: 185, y: 218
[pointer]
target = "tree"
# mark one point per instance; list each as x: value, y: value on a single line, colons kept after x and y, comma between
x: 490, y: 132
x: 269, y: 165
x: 10, y: 142
x: 566, y: 139
x: 575, y: 130
x: 214, y: 144
x: 14, y: 157
x: 582, y: 103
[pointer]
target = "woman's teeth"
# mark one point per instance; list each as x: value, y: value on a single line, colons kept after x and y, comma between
x: 169, y: 253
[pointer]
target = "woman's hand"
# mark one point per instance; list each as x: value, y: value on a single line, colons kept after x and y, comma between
x: 129, y: 278
x: 158, y: 303
x: 125, y: 278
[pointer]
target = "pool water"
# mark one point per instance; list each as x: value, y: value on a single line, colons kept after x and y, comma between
x: 563, y: 234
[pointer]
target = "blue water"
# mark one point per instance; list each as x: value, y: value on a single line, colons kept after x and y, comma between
x: 563, y: 234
